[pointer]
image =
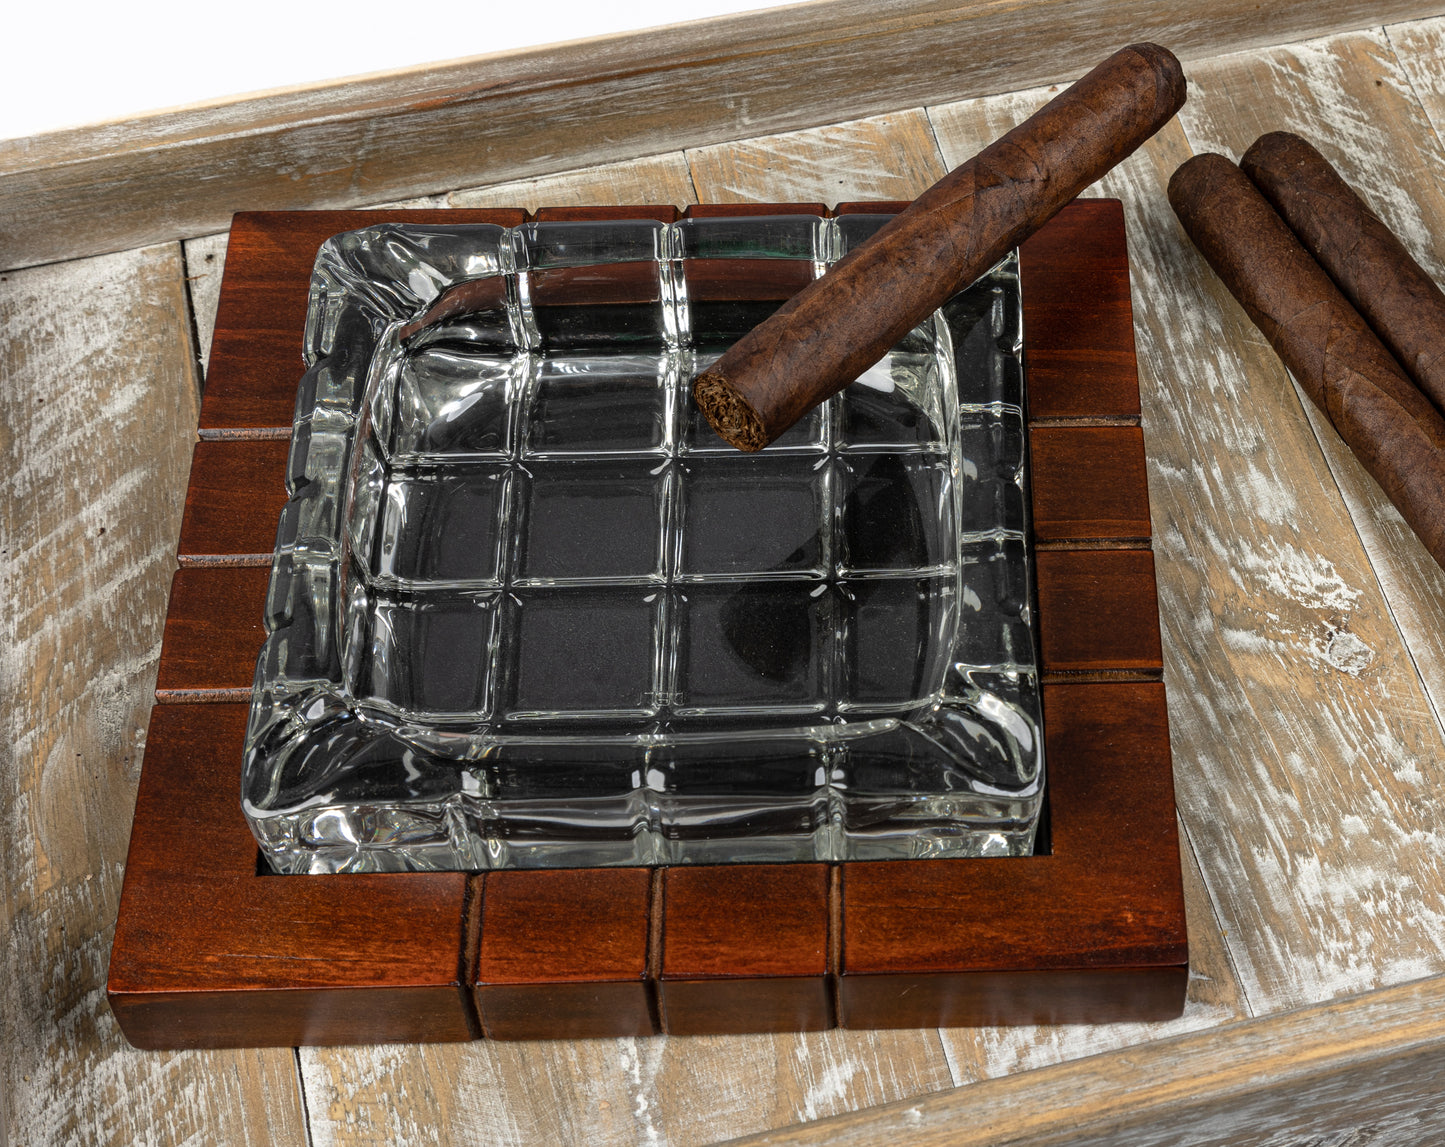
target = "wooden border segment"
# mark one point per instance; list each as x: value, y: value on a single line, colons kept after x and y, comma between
x: 220, y: 528
x: 745, y: 949
x: 1079, y: 354
x: 208, y: 953
x: 744, y: 210
x: 1088, y: 485
x: 214, y: 630
x: 564, y: 954
x: 662, y: 212
x: 1098, y: 612
x: 565, y: 106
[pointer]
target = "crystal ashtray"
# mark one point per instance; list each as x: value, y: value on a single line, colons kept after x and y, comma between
x: 527, y: 610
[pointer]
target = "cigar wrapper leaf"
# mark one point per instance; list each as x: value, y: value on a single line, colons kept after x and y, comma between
x: 838, y: 326
x: 1337, y: 359
x: 1372, y: 268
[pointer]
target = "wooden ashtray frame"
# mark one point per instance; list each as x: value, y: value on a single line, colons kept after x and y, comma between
x: 210, y: 952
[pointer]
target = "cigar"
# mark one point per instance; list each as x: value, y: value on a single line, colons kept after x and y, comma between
x: 1369, y: 265
x: 1327, y: 345
x: 838, y: 326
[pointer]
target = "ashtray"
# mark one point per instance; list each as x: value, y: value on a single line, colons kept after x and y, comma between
x: 212, y: 949
x: 526, y: 609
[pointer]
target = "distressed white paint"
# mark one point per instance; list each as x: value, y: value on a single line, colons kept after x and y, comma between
x: 881, y: 158
x: 1370, y: 102
x: 1281, y: 726
x: 656, y: 179
x: 97, y: 413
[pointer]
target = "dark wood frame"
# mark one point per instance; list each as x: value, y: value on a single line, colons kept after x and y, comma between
x: 210, y: 952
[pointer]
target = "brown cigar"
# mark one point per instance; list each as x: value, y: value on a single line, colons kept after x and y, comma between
x: 1328, y: 347
x: 1373, y: 269
x: 838, y: 326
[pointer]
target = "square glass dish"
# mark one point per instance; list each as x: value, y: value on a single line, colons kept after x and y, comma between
x: 527, y: 610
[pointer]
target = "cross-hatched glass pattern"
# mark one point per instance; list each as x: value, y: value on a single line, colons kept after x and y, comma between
x: 528, y: 610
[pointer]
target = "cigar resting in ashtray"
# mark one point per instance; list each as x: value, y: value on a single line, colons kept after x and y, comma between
x: 841, y: 324
x: 1329, y: 348
x: 1392, y: 292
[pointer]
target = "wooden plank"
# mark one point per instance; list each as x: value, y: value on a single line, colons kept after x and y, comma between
x: 1070, y: 379
x: 1371, y: 114
x: 1088, y: 484
x: 1417, y: 47
x: 1097, y: 612
x: 652, y: 179
x: 564, y: 954
x: 1362, y: 1070
x: 1299, y: 769
x: 214, y: 630
x: 205, y: 265
x: 220, y: 527
x: 885, y: 157
x: 534, y: 112
x: 745, y: 949
x: 99, y: 405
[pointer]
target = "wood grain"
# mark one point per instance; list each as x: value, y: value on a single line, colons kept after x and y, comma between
x: 214, y: 630
x: 98, y: 408
x: 1088, y: 484
x: 1369, y: 110
x: 564, y: 954
x: 1097, y: 612
x: 1362, y: 1070
x: 745, y: 949
x: 1300, y: 726
x: 535, y: 112
x: 207, y: 952
x: 1076, y: 267
x: 220, y: 529
x: 886, y: 157
x: 652, y: 179
x: 205, y: 266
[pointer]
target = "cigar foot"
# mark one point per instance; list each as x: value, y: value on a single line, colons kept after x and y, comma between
x: 729, y: 413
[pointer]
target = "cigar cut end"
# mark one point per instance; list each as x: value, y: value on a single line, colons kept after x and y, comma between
x: 733, y: 417
x: 1169, y: 73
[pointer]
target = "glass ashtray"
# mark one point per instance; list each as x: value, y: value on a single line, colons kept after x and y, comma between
x: 527, y: 610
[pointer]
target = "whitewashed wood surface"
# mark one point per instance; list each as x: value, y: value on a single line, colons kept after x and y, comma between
x: 530, y: 113
x: 98, y: 401
x: 1304, y: 634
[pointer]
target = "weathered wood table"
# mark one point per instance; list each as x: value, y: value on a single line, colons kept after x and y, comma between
x: 1303, y: 625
